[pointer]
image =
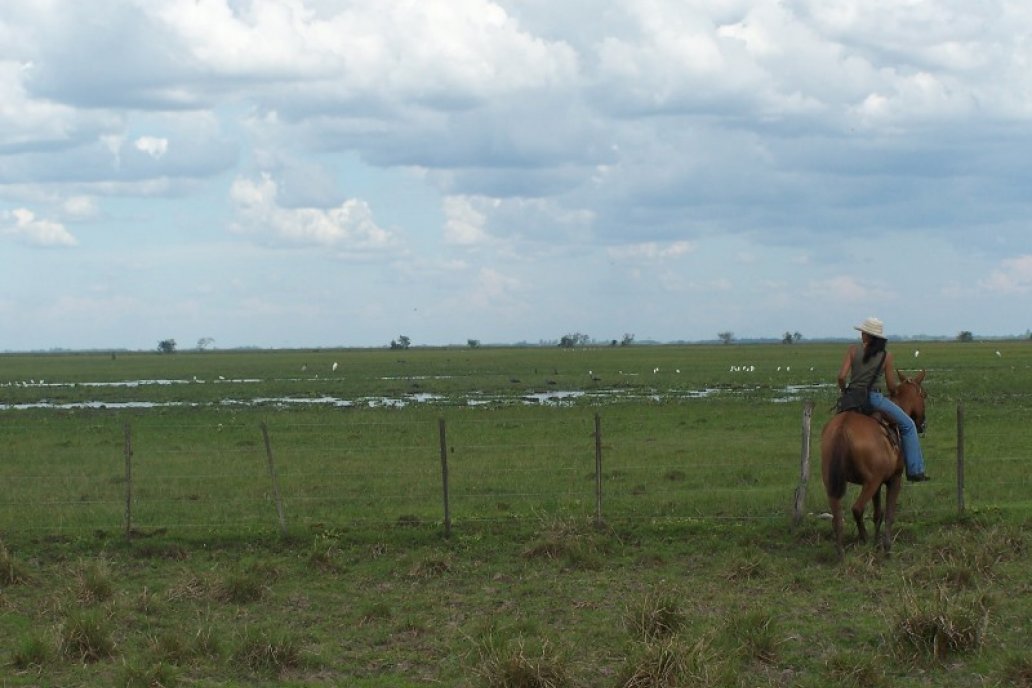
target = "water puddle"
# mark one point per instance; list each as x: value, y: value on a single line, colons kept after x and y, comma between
x: 789, y: 393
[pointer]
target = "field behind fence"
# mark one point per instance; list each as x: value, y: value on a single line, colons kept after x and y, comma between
x: 715, y: 446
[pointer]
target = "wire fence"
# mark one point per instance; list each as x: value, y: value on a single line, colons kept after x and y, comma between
x: 236, y: 477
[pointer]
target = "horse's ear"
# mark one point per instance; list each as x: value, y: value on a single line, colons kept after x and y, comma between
x: 920, y: 377
x: 901, y: 376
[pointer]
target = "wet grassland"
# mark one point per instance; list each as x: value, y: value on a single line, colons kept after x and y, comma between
x: 322, y: 558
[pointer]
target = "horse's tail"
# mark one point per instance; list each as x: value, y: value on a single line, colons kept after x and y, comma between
x: 836, y: 486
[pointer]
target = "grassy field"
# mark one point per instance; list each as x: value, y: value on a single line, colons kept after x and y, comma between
x: 695, y: 575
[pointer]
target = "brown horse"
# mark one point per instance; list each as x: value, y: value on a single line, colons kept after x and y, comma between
x: 859, y: 449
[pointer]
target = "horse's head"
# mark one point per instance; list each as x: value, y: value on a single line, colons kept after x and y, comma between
x: 910, y: 396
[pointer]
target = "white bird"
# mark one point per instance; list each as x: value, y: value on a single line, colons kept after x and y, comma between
x: 916, y: 353
x: 655, y: 370
x: 334, y: 365
x: 998, y: 353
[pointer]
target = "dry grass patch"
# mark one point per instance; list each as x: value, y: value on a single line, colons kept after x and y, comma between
x: 673, y: 663
x: 940, y: 626
x: 510, y: 665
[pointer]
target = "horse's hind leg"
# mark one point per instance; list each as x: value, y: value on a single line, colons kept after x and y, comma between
x: 879, y: 515
x: 867, y: 491
x: 835, y: 505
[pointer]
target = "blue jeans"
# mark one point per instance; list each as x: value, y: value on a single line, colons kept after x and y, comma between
x: 907, y: 429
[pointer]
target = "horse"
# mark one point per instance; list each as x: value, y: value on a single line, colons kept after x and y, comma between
x: 859, y: 449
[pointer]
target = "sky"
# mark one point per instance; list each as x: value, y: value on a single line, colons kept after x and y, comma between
x: 320, y: 173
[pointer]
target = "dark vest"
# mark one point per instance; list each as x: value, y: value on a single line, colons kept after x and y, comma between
x: 866, y: 375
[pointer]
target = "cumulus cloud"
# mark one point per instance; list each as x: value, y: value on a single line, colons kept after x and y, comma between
x: 153, y: 146
x: 1014, y: 276
x: 464, y: 224
x: 23, y: 225
x: 349, y: 227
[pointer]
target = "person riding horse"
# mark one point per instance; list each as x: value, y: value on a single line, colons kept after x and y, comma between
x: 863, y: 366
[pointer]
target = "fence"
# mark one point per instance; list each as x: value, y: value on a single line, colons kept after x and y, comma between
x: 245, y: 474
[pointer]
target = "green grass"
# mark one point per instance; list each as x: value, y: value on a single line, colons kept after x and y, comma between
x: 695, y: 575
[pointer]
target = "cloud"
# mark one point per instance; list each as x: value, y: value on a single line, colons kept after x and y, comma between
x: 23, y: 226
x: 1014, y: 276
x: 464, y: 224
x: 846, y: 289
x: 651, y: 251
x: 349, y: 227
x: 152, y: 146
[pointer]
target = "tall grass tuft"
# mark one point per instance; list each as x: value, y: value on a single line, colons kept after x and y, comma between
x: 93, y: 582
x: 87, y: 635
x: 856, y: 670
x: 12, y: 571
x: 241, y: 587
x: 32, y: 651
x: 672, y: 663
x: 509, y: 665
x: 147, y: 675
x: 268, y: 652
x: 756, y: 635
x: 576, y: 544
x: 940, y: 626
x: 657, y: 615
x: 1017, y: 671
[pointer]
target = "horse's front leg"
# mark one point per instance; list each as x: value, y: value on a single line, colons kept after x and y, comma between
x: 892, y: 489
x: 878, y: 514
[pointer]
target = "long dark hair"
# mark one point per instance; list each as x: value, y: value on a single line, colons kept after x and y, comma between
x: 874, y: 346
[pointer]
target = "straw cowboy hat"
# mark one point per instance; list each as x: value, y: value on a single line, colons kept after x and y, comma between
x: 873, y: 327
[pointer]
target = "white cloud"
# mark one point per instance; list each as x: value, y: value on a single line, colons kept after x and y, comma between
x: 651, y: 251
x: 152, y: 146
x: 1014, y: 276
x: 464, y: 224
x: 847, y: 289
x: 23, y: 225
x: 80, y: 207
x: 349, y: 227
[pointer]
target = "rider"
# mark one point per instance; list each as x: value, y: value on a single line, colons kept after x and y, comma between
x: 864, y: 364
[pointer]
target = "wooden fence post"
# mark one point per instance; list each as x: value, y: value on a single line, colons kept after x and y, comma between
x: 804, y: 465
x: 275, y: 480
x: 442, y: 430
x: 960, y: 457
x: 598, y: 469
x: 128, y: 452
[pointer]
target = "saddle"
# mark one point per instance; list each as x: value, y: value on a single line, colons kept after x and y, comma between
x: 856, y: 399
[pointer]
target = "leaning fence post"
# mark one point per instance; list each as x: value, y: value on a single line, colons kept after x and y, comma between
x: 804, y: 465
x: 128, y: 451
x: 275, y: 480
x: 960, y: 457
x: 444, y: 475
x: 598, y: 469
